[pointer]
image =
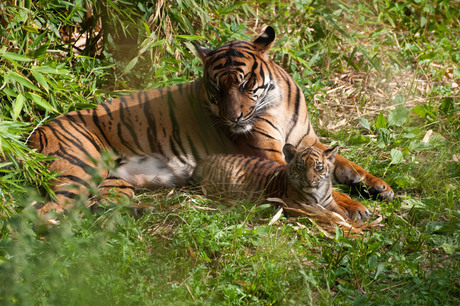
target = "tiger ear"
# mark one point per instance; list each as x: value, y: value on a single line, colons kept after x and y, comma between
x: 265, y: 41
x: 289, y: 152
x: 202, y: 51
x: 330, y: 153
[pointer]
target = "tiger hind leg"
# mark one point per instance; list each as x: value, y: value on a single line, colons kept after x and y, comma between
x: 68, y: 191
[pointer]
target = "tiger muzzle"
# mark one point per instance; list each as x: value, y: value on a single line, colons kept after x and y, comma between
x: 232, y: 107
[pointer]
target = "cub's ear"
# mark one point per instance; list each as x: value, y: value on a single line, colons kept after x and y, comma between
x: 330, y: 153
x: 289, y: 152
x: 265, y: 41
x: 202, y: 51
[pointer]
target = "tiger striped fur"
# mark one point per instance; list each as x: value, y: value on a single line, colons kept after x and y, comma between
x: 244, y: 104
x: 305, y: 178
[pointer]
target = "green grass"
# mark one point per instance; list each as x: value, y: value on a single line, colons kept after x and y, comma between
x: 382, y: 80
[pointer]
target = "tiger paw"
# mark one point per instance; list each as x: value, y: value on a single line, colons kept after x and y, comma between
x: 378, y: 188
x: 349, y: 207
x: 48, y: 209
x: 363, y: 182
x: 360, y: 180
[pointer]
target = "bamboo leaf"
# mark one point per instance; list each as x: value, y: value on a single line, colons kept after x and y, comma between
x: 190, y: 37
x: 18, y: 105
x: 12, y: 57
x: 41, y: 102
x: 41, y: 80
x: 50, y: 70
x: 22, y: 80
x: 130, y: 65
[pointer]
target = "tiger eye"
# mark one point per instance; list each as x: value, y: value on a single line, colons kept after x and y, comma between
x: 319, y: 167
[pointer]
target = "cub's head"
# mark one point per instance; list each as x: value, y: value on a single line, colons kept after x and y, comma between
x: 239, y: 80
x: 310, y: 166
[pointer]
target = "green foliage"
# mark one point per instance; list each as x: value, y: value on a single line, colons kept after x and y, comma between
x: 59, y: 56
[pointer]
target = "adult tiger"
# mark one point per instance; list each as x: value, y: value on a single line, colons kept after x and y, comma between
x: 245, y: 104
x: 305, y: 179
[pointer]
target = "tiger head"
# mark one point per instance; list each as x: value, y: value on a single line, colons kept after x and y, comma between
x: 239, y: 81
x: 309, y: 167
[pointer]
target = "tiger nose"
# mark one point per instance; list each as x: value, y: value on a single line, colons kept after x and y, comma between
x: 238, y: 118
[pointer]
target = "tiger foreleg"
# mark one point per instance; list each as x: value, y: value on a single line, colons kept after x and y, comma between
x: 349, y: 173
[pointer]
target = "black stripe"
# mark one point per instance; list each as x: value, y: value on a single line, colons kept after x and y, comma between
x: 126, y: 194
x: 277, y: 185
x: 117, y: 186
x: 247, y: 162
x: 75, y: 179
x: 305, y: 135
x: 42, y: 140
x: 295, y: 112
x: 107, y: 110
x: 66, y: 139
x: 125, y: 143
x: 71, y: 159
x: 264, y: 134
x: 127, y: 123
x: 262, y: 149
x: 101, y: 131
x: 195, y: 153
x: 328, y: 199
x: 67, y: 194
x: 80, y: 116
x: 152, y: 128
x: 175, y: 126
x: 227, y: 53
x: 267, y: 121
x: 175, y: 150
x: 85, y: 133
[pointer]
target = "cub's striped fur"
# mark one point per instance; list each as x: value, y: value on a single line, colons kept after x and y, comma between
x: 306, y: 178
x: 245, y: 104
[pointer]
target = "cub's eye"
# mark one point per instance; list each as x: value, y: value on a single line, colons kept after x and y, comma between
x: 319, y: 167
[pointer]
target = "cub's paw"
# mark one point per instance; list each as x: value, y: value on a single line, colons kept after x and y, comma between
x: 353, y: 209
x: 358, y: 212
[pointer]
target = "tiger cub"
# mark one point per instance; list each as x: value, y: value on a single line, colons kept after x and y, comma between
x: 306, y: 177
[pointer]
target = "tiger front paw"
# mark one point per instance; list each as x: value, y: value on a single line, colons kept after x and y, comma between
x: 378, y: 188
x: 363, y: 181
x: 349, y: 207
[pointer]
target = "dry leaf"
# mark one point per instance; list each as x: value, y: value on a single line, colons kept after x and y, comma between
x: 276, y: 216
x: 427, y: 136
